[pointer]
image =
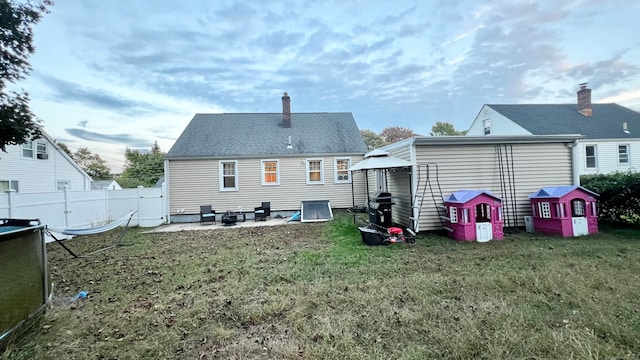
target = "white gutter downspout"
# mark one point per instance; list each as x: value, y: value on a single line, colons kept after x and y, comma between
x: 575, y: 168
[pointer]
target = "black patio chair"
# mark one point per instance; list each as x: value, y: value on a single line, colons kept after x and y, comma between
x: 262, y: 212
x: 207, y: 214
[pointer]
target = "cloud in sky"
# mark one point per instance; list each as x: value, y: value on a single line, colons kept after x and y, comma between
x: 406, y: 63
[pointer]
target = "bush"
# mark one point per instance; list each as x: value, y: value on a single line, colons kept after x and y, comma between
x: 619, y: 196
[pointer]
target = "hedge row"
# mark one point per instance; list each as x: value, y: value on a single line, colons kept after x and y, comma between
x: 619, y: 200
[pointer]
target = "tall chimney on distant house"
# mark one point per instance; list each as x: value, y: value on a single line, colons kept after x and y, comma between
x: 584, y: 100
x: 286, y: 110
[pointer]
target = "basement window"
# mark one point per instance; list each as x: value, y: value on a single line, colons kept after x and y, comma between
x: 316, y: 211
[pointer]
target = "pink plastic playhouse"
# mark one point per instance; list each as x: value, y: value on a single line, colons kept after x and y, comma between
x: 568, y: 210
x: 474, y: 215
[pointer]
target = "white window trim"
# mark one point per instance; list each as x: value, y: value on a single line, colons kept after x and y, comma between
x: 453, y: 214
x: 595, y: 156
x: 44, y: 155
x: 335, y: 171
x: 319, y: 182
x: 628, y: 154
x: 544, y: 210
x: 221, y: 175
x: 486, y: 127
x: 17, y: 183
x: 262, y: 172
x: 33, y: 150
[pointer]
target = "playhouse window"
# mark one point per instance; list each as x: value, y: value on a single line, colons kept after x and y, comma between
x: 578, y: 207
x: 544, y: 210
x: 594, y: 209
x: 483, y: 213
x: 465, y: 215
x: 499, y: 214
x: 453, y: 214
x: 560, y: 210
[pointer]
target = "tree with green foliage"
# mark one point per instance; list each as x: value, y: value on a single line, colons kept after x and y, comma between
x: 441, y: 128
x: 372, y: 140
x: 65, y: 148
x: 142, y: 168
x: 94, y: 165
x: 18, y: 124
x: 393, y: 134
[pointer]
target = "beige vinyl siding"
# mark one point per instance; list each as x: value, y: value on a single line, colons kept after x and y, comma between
x: 476, y: 167
x: 195, y: 182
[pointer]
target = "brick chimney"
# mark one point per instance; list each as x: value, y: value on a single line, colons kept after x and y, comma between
x: 584, y: 100
x: 286, y: 110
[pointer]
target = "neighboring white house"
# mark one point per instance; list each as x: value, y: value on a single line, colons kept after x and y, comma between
x: 105, y: 184
x: 40, y: 166
x: 611, y: 132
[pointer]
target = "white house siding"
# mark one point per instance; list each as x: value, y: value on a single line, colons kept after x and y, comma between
x: 195, y: 182
x: 41, y: 175
x: 607, y: 156
x: 500, y: 125
x: 470, y: 166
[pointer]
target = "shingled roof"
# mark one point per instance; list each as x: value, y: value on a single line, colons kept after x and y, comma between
x: 263, y: 134
x: 554, y: 119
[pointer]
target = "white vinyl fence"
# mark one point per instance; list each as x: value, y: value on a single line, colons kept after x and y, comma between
x: 84, y: 209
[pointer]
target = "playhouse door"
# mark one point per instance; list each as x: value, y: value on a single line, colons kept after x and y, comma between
x: 580, y: 226
x: 484, y: 232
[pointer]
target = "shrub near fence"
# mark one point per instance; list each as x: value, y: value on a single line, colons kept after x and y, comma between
x: 619, y: 196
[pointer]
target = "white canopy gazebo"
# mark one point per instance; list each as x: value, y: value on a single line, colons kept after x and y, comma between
x: 378, y: 160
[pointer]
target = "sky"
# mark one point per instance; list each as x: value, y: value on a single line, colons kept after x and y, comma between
x: 111, y: 75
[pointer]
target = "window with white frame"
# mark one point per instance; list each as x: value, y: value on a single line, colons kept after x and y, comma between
x: 341, y: 170
x: 270, y: 172
x: 594, y: 209
x: 623, y: 154
x: 42, y: 152
x: 6, y: 185
x: 27, y: 149
x: 61, y: 184
x: 591, y: 156
x: 229, y: 175
x: 486, y: 124
x: 315, y: 171
x: 544, y: 210
x: 453, y: 214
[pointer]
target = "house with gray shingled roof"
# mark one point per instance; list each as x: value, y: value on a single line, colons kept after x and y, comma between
x: 611, y: 132
x: 236, y: 161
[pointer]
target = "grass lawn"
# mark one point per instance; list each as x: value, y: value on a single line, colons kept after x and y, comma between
x: 314, y: 291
